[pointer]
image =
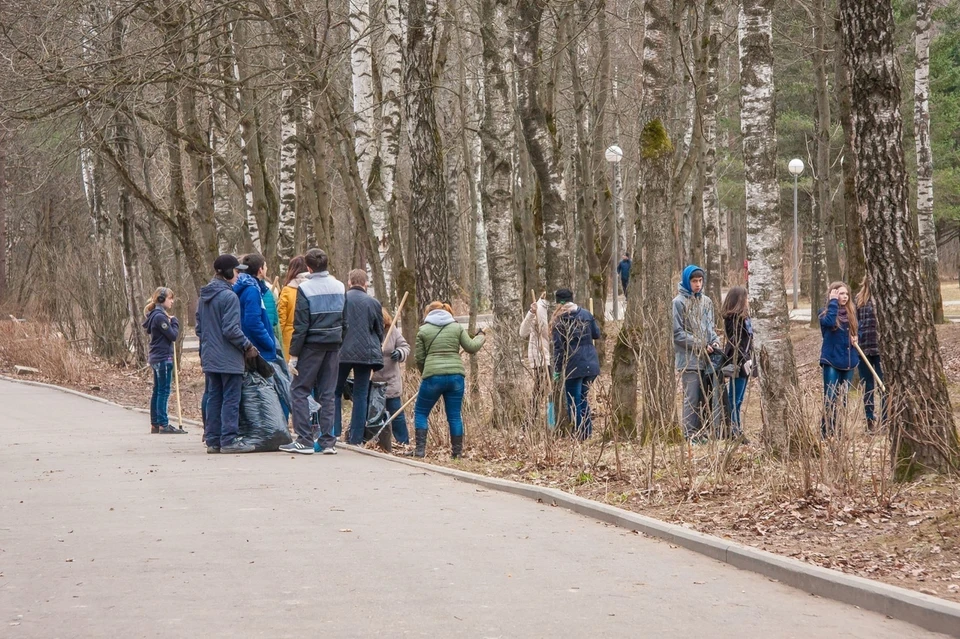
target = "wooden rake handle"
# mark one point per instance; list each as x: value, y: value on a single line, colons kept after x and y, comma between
x: 876, y: 378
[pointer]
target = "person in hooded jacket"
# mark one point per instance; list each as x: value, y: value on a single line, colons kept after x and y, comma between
x: 838, y: 354
x: 257, y: 268
x: 254, y: 320
x: 223, y: 351
x: 163, y: 329
x: 297, y: 273
x: 437, y: 354
x: 694, y: 340
x: 359, y: 353
x: 395, y: 350
x: 575, y: 359
x: 536, y: 328
x: 623, y: 270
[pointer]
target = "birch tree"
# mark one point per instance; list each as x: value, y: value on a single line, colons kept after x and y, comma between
x: 708, y: 157
x: 921, y: 419
x: 921, y: 129
x: 540, y: 142
x: 768, y: 300
x: 646, y: 332
x: 427, y: 212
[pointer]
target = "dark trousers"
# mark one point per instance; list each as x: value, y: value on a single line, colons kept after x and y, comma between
x: 361, y: 397
x: 399, y: 426
x: 222, y: 408
x: 870, y: 390
x: 836, y: 382
x: 317, y: 375
x: 576, y: 390
x: 162, y: 374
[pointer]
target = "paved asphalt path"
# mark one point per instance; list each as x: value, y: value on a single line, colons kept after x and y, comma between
x: 107, y: 531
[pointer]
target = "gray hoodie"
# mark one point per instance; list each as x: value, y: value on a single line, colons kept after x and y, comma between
x: 693, y: 329
x: 222, y: 342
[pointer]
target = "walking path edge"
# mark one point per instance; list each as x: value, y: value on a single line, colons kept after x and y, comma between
x: 925, y: 611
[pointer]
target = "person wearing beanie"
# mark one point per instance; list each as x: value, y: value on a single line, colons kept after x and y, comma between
x: 575, y: 360
x: 223, y: 351
x: 694, y: 340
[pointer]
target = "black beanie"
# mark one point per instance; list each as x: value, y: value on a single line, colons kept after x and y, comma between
x: 564, y: 295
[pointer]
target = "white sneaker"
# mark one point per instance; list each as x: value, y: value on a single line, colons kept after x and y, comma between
x: 329, y: 451
x: 297, y: 447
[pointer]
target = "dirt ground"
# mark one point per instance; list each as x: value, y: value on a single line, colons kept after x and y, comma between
x: 839, y: 510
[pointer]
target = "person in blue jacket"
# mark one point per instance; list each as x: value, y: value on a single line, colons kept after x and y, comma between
x: 623, y: 270
x: 838, y: 354
x: 575, y: 359
x: 163, y: 329
x: 254, y: 321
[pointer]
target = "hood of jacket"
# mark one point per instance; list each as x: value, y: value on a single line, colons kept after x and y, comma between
x: 299, y: 279
x: 439, y: 317
x: 213, y: 288
x: 684, y: 287
x: 245, y: 281
x: 151, y: 316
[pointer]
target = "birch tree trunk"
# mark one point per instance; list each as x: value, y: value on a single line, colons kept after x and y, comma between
x: 921, y: 129
x: 646, y: 333
x: 289, y: 117
x: 768, y: 300
x: 921, y: 421
x: 822, y: 124
x: 427, y: 213
x: 708, y: 119
x: 250, y: 218
x: 541, y: 143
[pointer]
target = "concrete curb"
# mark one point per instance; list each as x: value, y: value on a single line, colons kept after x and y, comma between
x: 930, y: 613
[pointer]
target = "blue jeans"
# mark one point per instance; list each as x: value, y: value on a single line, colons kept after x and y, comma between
x: 736, y: 388
x: 162, y: 374
x: 222, y: 408
x: 578, y: 408
x: 399, y: 425
x: 870, y: 390
x: 450, y: 387
x: 836, y: 382
x: 361, y: 396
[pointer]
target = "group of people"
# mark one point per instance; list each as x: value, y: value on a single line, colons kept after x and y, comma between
x: 322, y: 331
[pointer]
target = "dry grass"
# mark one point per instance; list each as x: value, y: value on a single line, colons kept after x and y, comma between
x: 39, y: 346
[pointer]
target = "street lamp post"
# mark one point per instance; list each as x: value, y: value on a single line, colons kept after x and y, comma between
x: 613, y: 155
x: 796, y: 168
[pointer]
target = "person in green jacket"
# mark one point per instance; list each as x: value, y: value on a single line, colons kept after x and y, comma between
x: 439, y: 341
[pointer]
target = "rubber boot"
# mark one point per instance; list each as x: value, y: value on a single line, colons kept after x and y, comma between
x: 421, y: 449
x: 456, y: 446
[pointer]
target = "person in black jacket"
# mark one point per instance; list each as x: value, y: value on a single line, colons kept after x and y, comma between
x: 360, y: 353
x: 738, y: 353
x: 869, y: 340
x: 319, y: 326
x: 223, y: 351
x: 575, y: 359
x: 163, y: 329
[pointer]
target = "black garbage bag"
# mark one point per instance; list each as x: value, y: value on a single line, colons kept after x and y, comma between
x: 261, y: 417
x: 376, y: 413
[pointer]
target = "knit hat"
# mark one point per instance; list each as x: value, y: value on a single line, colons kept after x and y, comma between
x: 564, y: 295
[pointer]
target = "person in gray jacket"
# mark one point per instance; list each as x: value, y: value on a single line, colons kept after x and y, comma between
x: 319, y: 325
x: 223, y: 351
x: 360, y: 353
x: 694, y: 339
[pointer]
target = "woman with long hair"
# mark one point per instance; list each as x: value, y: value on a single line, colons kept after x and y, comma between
x: 395, y: 350
x: 439, y: 341
x: 163, y: 329
x: 869, y: 342
x: 296, y: 273
x: 738, y: 330
x: 838, y: 355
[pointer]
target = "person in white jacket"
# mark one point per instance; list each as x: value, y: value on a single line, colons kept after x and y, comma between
x: 536, y: 328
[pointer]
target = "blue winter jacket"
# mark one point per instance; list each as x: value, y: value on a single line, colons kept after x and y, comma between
x: 574, y: 354
x: 222, y: 342
x: 693, y: 326
x: 254, y: 320
x: 163, y: 331
x: 837, y: 351
x: 623, y: 270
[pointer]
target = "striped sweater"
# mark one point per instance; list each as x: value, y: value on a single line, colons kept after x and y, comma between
x: 319, y: 317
